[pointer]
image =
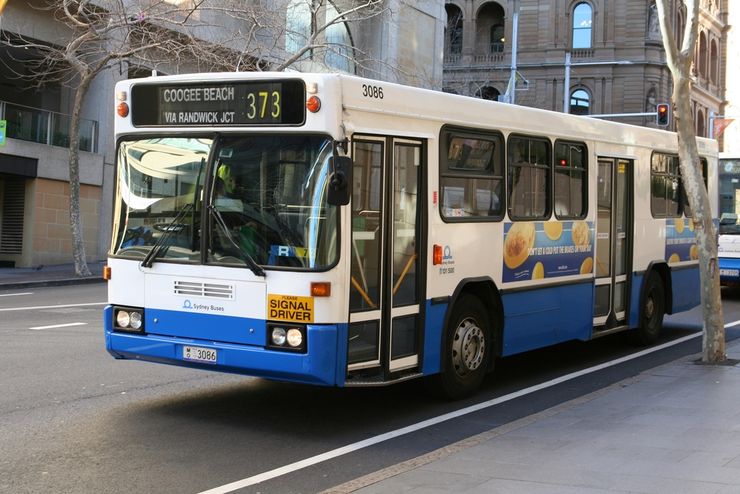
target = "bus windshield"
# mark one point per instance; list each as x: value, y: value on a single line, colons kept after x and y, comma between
x: 262, y: 201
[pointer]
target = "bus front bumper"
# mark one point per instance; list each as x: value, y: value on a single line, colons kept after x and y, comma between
x: 319, y: 365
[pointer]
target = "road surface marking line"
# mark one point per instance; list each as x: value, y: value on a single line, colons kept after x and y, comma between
x: 52, y: 306
x: 15, y: 294
x: 60, y: 325
x: 732, y: 324
x: 350, y: 448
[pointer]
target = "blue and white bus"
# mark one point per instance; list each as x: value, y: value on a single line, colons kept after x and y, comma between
x: 729, y: 229
x: 340, y: 231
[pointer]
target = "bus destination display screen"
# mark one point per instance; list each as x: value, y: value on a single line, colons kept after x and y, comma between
x: 219, y: 103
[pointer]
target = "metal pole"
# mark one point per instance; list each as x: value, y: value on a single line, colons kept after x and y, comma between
x: 515, y: 36
x: 566, y: 84
x: 615, y: 115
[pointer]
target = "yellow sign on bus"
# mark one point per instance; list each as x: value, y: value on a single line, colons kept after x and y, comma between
x: 289, y: 308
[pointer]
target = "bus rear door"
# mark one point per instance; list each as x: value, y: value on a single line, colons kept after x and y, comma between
x: 613, y: 243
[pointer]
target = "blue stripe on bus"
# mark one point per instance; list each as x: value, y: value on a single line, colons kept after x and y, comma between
x: 685, y: 289
x: 636, y: 285
x: 319, y: 366
x: 541, y: 317
x: 433, y: 333
x: 189, y: 324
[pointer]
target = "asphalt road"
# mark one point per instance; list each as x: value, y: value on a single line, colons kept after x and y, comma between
x: 73, y: 419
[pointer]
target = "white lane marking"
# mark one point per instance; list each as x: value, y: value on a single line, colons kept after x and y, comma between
x: 60, y: 325
x: 732, y: 324
x: 52, y: 306
x: 15, y: 294
x: 350, y: 448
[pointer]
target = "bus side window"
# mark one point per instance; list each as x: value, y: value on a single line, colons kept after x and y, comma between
x: 665, y: 180
x: 571, y: 179
x: 471, y: 175
x: 529, y: 176
x: 684, y: 197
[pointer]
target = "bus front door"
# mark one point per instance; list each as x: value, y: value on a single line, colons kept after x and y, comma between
x: 384, y: 336
x: 613, y: 244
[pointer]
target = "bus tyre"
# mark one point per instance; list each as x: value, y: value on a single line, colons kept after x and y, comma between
x: 467, y: 349
x: 651, y: 311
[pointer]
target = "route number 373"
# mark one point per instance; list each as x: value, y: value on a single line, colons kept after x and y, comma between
x: 370, y: 91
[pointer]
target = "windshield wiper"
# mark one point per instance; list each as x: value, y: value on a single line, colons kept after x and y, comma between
x: 249, y: 260
x: 159, y: 246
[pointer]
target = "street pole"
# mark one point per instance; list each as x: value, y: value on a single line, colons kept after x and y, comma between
x: 566, y: 84
x: 515, y: 38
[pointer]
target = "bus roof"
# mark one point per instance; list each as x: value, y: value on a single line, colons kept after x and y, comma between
x: 426, y: 104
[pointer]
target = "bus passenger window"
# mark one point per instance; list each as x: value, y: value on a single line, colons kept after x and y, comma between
x: 570, y: 180
x: 665, y: 183
x: 684, y: 197
x: 529, y: 178
x: 471, y: 181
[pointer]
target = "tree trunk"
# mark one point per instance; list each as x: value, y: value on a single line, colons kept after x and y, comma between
x: 706, y: 238
x: 75, y: 218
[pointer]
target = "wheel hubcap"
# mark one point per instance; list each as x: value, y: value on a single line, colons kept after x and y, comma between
x: 468, y: 347
x: 649, y: 307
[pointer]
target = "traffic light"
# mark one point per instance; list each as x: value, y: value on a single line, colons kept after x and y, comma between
x: 663, y: 112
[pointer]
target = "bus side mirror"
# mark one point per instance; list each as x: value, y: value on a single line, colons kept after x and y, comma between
x: 340, y: 178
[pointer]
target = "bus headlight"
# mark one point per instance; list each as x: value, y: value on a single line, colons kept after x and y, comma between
x: 286, y: 337
x: 295, y: 337
x: 129, y: 319
x: 123, y: 319
x: 136, y: 320
x: 278, y: 336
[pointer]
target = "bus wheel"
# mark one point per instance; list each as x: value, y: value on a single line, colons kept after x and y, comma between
x: 467, y: 349
x: 651, y: 311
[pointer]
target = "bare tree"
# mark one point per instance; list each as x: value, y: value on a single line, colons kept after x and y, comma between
x: 679, y: 63
x: 199, y: 35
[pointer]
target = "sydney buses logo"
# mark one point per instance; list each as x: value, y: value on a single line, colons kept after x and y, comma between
x: 188, y: 305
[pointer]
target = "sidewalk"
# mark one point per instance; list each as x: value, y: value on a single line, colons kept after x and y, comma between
x: 672, y: 429
x: 55, y: 275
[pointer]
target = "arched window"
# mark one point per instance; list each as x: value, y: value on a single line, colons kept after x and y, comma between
x: 580, y: 102
x: 488, y: 92
x: 700, y: 124
x: 497, y: 38
x: 702, y: 54
x: 582, y: 19
x: 490, y: 21
x: 714, y: 62
x: 680, y: 26
x: 454, y: 35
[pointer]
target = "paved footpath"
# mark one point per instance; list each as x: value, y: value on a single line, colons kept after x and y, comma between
x: 54, y: 275
x: 672, y: 429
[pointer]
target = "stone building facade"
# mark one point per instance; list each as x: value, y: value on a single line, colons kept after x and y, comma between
x: 731, y: 109
x: 581, y: 56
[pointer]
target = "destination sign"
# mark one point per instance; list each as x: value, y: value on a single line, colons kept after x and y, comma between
x: 219, y: 103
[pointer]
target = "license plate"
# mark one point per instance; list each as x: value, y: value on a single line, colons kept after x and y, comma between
x: 199, y: 354
x: 729, y: 272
